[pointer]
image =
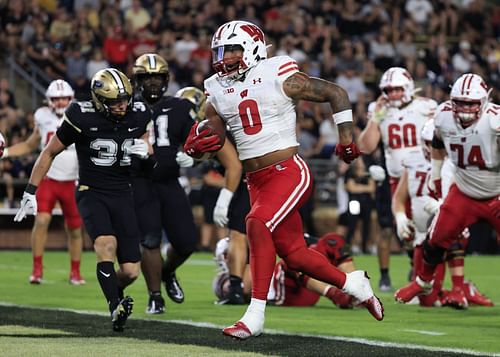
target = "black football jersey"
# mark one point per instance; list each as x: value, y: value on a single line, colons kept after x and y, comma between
x: 173, y: 118
x: 101, y: 143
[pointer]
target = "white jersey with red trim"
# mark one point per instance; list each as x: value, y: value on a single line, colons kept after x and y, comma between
x: 474, y: 150
x: 65, y: 165
x: 260, y: 116
x: 418, y: 170
x: 400, y: 130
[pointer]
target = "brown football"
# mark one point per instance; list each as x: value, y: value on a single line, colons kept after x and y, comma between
x: 216, y: 128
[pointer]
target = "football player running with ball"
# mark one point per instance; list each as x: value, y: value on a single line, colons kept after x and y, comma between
x: 107, y: 132
x: 161, y: 202
x: 256, y: 96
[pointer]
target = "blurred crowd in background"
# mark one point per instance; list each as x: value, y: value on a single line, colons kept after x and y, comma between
x: 349, y: 42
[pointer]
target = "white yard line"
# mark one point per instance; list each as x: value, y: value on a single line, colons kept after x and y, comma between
x: 425, y: 332
x: 362, y: 341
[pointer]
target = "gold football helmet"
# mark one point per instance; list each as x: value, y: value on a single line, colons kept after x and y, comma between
x: 151, y: 76
x: 195, y: 96
x: 111, y: 89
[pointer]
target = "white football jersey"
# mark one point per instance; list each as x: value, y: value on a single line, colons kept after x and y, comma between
x: 474, y: 150
x: 400, y: 130
x: 65, y: 165
x: 260, y: 116
x: 418, y: 169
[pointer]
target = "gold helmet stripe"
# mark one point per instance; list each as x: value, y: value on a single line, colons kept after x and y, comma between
x: 152, y: 61
x: 118, y: 80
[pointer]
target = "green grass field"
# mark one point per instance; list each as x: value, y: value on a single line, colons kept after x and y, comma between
x: 193, y: 328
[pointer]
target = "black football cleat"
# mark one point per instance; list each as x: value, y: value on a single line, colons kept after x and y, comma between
x: 156, y: 305
x: 121, y: 313
x: 233, y: 297
x: 173, y: 288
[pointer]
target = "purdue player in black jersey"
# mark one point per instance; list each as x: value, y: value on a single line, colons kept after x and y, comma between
x: 161, y: 202
x: 107, y: 132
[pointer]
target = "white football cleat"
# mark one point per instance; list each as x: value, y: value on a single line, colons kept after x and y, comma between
x: 357, y: 284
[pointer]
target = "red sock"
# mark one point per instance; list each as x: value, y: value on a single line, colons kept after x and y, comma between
x: 457, y: 281
x: 315, y: 265
x: 37, y: 262
x: 426, y: 272
x: 262, y: 257
x: 75, y: 265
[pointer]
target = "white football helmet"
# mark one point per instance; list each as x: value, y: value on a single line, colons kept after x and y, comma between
x: 59, y: 89
x: 237, y: 33
x: 469, y: 98
x: 397, y: 77
x: 427, y: 134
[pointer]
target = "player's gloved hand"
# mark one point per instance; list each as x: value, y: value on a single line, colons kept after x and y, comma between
x: 377, y: 173
x: 348, y: 153
x: 2, y: 145
x: 435, y: 188
x: 183, y: 159
x: 198, y: 144
x: 405, y: 227
x: 222, y: 206
x: 495, y: 207
x: 432, y: 206
x: 28, y: 203
x: 139, y: 148
x: 380, y: 110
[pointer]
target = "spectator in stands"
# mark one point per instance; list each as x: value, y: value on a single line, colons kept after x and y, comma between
x: 137, y: 17
x: 116, y: 49
x: 76, y: 66
x: 361, y: 189
x: 463, y: 59
x: 96, y: 63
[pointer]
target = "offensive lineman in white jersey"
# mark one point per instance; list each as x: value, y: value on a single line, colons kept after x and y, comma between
x: 255, y: 96
x: 57, y: 186
x: 468, y: 131
x: 396, y: 119
x: 413, y: 185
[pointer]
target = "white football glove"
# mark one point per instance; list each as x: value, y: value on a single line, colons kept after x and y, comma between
x: 222, y: 206
x: 405, y: 226
x: 377, y: 173
x: 139, y: 148
x: 432, y: 206
x: 28, y: 206
x: 183, y: 159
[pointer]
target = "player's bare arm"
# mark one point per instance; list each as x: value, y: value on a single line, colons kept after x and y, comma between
x: 401, y: 195
x: 42, y: 164
x: 300, y: 86
x: 24, y: 147
x: 369, y: 138
x: 213, y: 117
x: 438, y: 151
x: 229, y: 159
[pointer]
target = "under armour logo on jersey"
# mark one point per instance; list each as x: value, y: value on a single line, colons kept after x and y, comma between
x: 244, y: 93
x: 258, y: 80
